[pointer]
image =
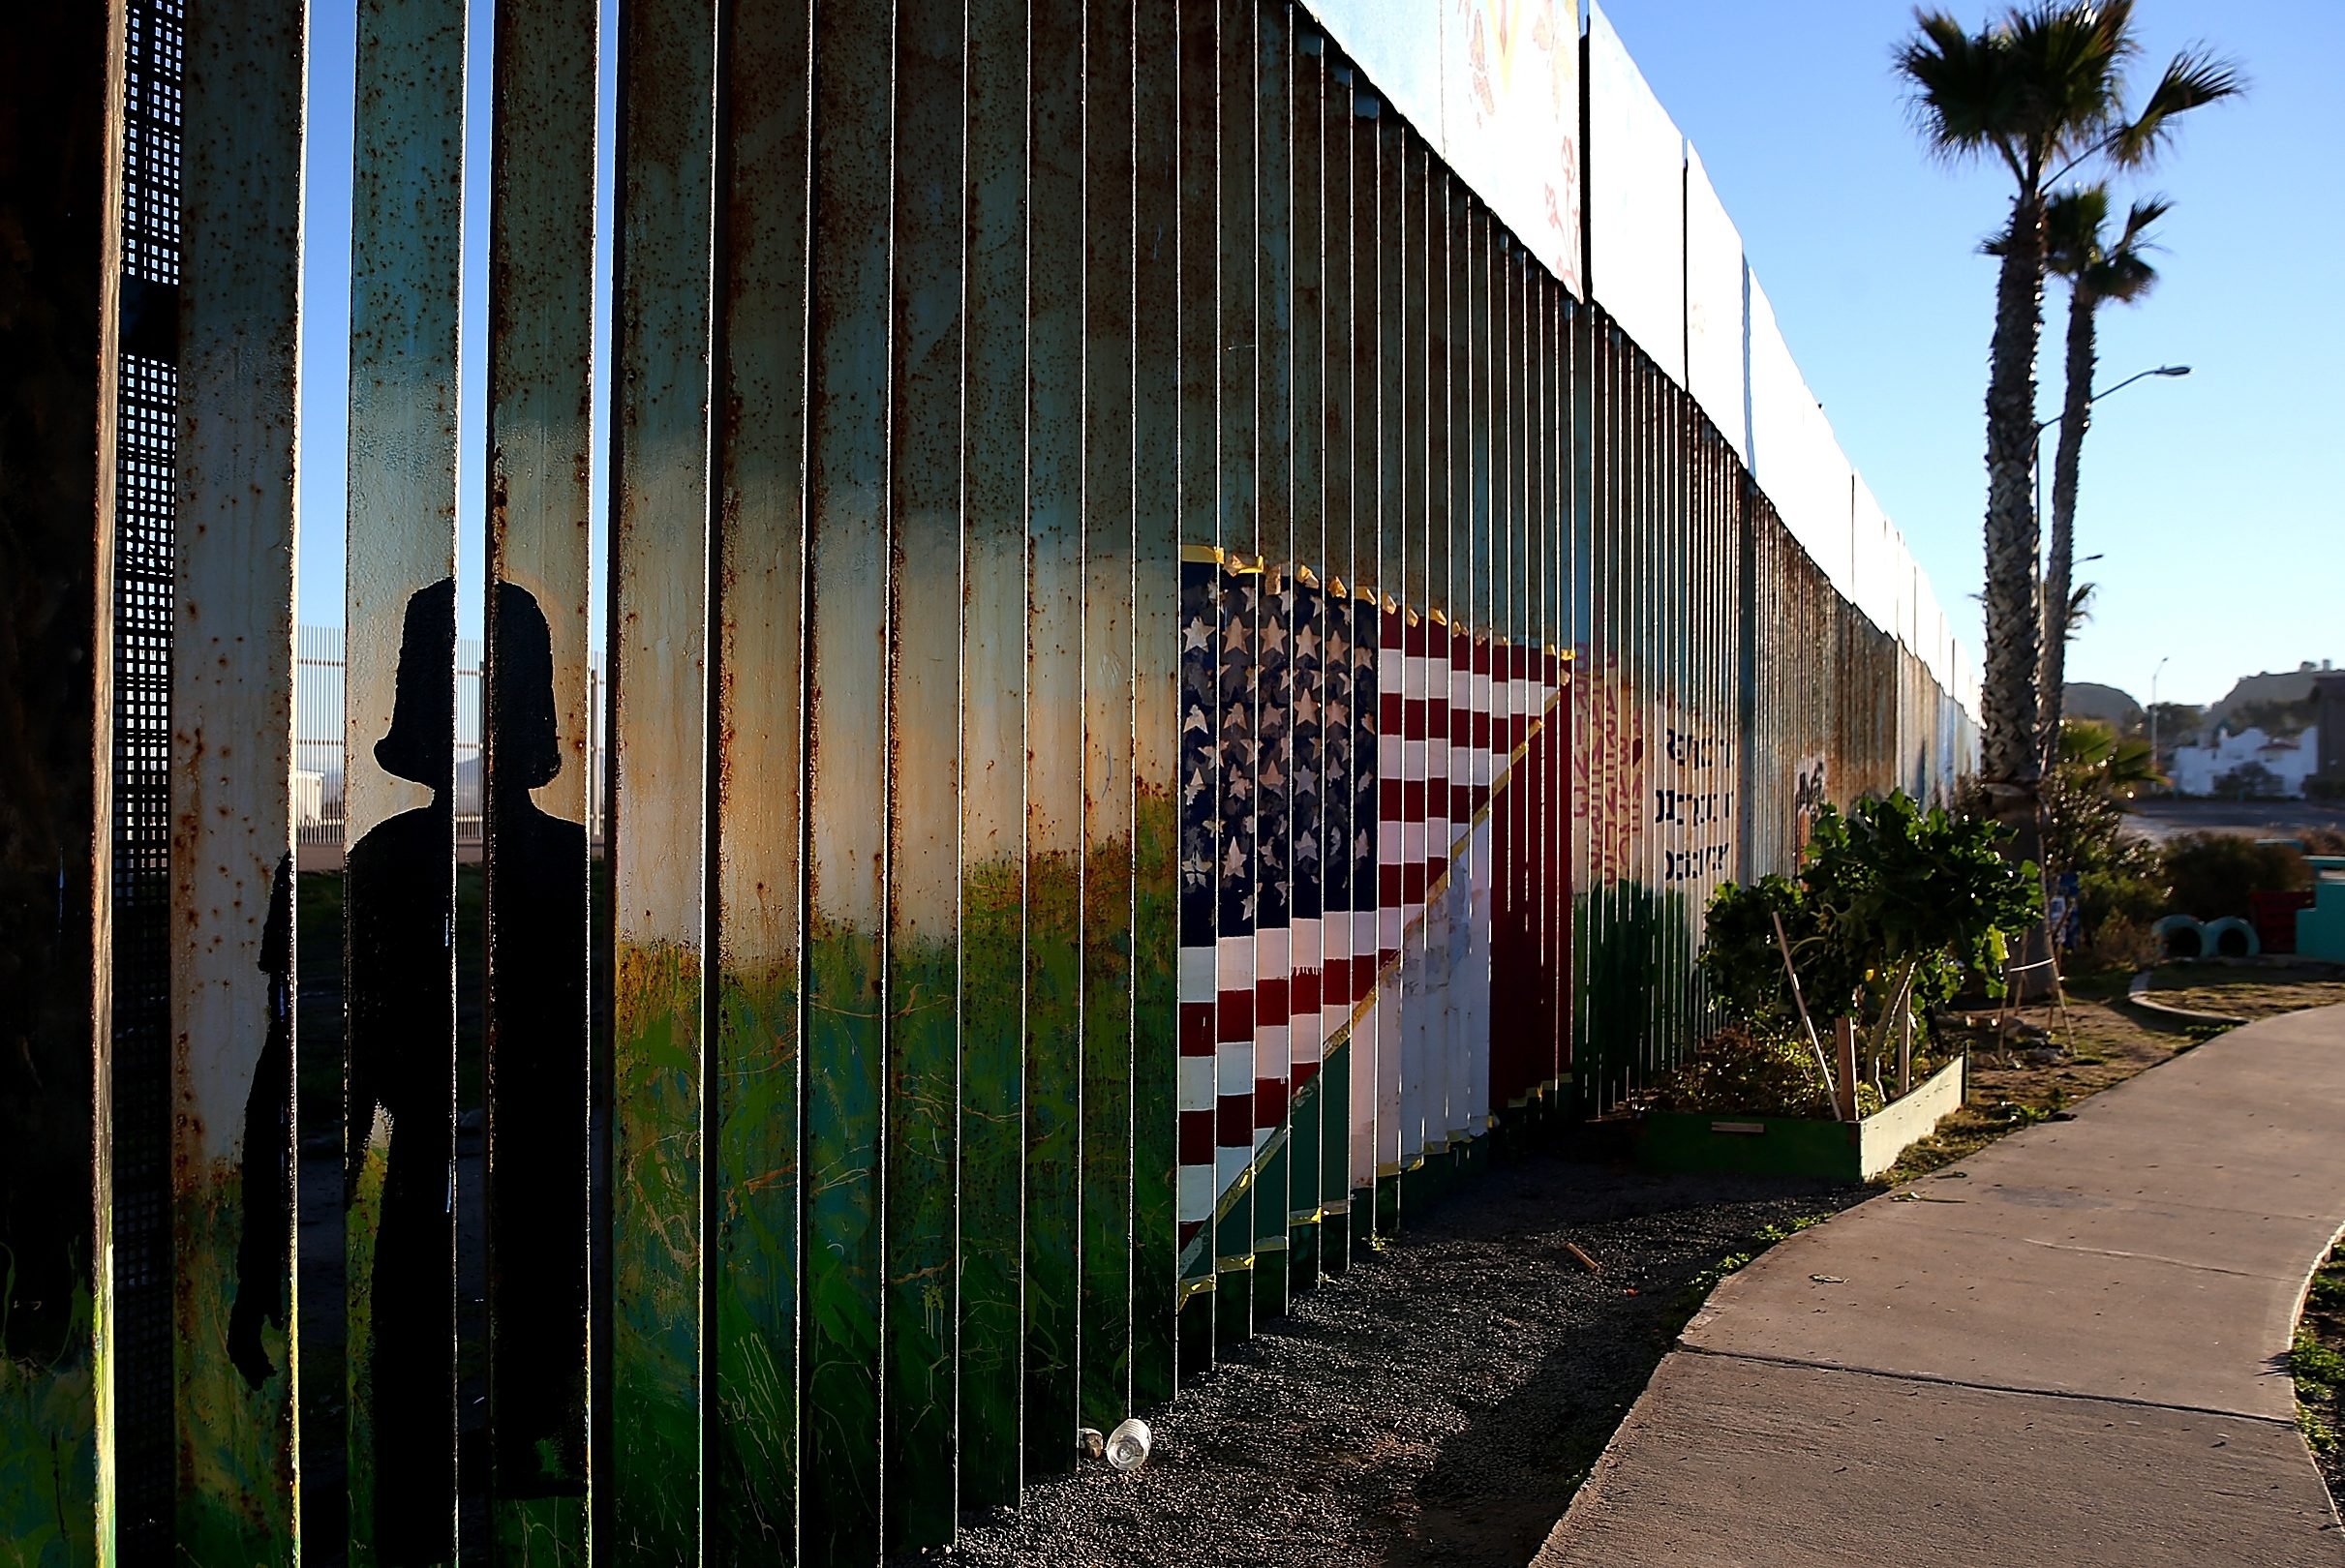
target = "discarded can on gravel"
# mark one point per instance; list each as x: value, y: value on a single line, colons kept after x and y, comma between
x: 1128, y: 1444
x: 1089, y: 1443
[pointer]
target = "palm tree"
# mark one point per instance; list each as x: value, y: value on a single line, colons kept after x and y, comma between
x: 2097, y: 269
x: 2041, y: 93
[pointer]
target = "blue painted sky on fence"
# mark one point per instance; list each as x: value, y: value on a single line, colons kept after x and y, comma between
x: 2210, y: 498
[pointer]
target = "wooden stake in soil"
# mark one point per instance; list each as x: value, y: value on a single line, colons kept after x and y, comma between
x: 1844, y: 1037
x: 1783, y: 944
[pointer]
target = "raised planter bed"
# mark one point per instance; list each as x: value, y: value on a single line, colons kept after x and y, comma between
x: 1800, y: 1145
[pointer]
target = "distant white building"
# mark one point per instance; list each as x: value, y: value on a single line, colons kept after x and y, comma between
x: 2286, y: 763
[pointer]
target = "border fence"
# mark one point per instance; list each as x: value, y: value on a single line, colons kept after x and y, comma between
x: 318, y: 820
x: 1198, y: 594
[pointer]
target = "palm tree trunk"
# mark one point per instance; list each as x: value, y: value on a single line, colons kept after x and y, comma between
x: 2007, y: 696
x: 2076, y: 415
x: 2010, y: 767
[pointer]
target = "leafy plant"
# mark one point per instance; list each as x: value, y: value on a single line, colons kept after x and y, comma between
x: 1893, y: 908
x: 2119, y: 876
x: 2319, y: 1371
x: 1740, y: 1071
x: 2213, y: 874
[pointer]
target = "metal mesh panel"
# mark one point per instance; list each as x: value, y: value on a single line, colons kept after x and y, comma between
x: 144, y: 486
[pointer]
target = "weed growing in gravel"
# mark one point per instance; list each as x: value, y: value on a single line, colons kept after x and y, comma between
x: 2317, y: 1363
x: 1697, y: 1289
x: 2320, y: 1374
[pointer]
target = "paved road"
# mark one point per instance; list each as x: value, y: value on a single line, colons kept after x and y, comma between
x: 2162, y: 820
x: 2067, y: 1353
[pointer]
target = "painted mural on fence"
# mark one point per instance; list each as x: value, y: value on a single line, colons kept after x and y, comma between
x: 1101, y: 805
x: 1423, y: 1021
x: 1510, y: 119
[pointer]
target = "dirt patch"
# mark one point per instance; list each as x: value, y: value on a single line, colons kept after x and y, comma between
x: 2042, y: 1062
x: 1439, y: 1402
x: 2256, y: 991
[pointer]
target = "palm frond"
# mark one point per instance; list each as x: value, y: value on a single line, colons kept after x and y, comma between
x: 2080, y: 607
x: 2072, y: 229
x: 2068, y: 60
x: 2193, y: 80
x: 1958, y: 91
x: 2124, y: 277
x: 2138, y: 220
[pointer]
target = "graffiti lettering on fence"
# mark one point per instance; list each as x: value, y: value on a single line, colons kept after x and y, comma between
x: 1694, y: 812
x: 1810, y: 790
x: 1608, y: 766
x: 1691, y: 865
x: 1691, y: 809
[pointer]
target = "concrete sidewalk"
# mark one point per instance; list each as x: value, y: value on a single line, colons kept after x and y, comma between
x: 2067, y: 1349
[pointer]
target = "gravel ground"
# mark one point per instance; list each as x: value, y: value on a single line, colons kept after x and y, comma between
x: 1435, y: 1404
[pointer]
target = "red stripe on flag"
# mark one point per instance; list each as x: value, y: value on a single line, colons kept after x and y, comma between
x: 1197, y: 1137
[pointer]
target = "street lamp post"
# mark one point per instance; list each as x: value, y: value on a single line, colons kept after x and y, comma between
x: 2043, y: 425
x: 2056, y: 616
x: 2153, y: 712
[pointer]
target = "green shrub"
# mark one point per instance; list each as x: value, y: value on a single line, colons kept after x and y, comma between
x: 1892, y: 904
x: 2211, y: 875
x: 1743, y: 1072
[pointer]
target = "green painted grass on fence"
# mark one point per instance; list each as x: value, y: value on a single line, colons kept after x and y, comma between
x: 655, y: 1423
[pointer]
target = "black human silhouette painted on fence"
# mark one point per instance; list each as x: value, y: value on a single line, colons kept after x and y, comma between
x: 537, y: 1072
x: 267, y: 1204
x: 400, y: 892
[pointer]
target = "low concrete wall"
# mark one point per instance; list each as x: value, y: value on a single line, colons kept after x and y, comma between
x: 1910, y: 1118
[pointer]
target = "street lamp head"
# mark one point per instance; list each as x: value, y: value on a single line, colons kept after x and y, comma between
x: 2172, y: 370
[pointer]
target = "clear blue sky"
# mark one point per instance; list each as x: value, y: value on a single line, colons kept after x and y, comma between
x: 2212, y: 498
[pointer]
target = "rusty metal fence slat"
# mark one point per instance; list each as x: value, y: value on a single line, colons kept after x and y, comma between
x: 232, y: 1049
x: 924, y: 952
x: 661, y: 492
x: 541, y: 765
x: 755, y: 1239
x: 399, y: 779
x: 1156, y: 670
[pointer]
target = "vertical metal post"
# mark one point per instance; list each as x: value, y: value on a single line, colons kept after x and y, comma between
x: 232, y: 1047
x: 660, y: 495
x: 1195, y: 225
x: 537, y: 762
x: 61, y: 139
x: 850, y: 782
x: 1053, y: 390
x: 1274, y: 279
x: 756, y: 1238
x: 992, y: 759
x: 1157, y: 696
x: 1368, y: 760
x: 1107, y: 619
x: 1237, y: 353
x: 1306, y: 861
x: 919, y: 1306
x: 1338, y: 1052
x: 399, y: 780
x: 1396, y: 1143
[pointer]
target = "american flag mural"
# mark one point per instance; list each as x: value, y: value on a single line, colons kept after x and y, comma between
x: 1360, y: 854
x: 1200, y: 886
x: 1308, y: 821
